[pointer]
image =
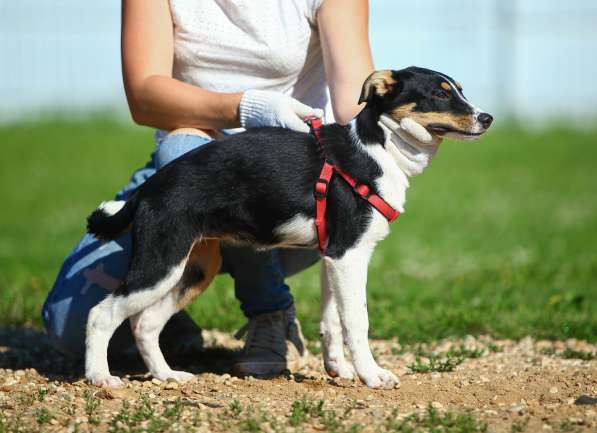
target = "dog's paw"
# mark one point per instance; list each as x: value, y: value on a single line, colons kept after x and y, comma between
x: 105, y: 381
x: 340, y: 368
x: 380, y: 378
x: 179, y: 376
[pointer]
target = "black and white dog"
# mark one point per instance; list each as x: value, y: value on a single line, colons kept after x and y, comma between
x: 257, y: 188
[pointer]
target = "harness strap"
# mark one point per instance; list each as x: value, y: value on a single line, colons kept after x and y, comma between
x: 382, y: 206
x: 322, y: 187
x: 321, y: 193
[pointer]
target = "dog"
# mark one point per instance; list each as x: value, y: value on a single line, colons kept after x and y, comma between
x: 257, y: 188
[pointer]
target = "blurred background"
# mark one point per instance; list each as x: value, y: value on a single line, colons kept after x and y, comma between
x: 499, y: 236
x: 529, y: 59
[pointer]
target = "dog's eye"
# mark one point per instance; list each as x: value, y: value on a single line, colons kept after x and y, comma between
x: 441, y: 94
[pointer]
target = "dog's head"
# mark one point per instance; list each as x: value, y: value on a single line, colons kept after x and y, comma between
x: 432, y: 99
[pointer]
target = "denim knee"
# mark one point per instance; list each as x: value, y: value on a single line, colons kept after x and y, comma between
x: 173, y: 146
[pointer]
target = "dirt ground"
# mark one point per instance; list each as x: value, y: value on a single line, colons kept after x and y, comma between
x: 511, y: 386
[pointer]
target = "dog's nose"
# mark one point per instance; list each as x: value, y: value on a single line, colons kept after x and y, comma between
x: 485, y: 119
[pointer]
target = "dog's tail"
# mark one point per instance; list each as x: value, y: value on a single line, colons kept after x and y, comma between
x: 112, y: 218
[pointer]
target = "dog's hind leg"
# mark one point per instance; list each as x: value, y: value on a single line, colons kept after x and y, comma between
x: 147, y: 326
x: 106, y: 316
x: 156, y: 269
x: 203, y: 264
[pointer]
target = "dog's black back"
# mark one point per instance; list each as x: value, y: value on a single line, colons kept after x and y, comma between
x: 242, y: 188
x: 246, y: 185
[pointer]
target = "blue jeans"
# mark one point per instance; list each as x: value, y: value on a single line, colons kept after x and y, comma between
x: 92, y: 269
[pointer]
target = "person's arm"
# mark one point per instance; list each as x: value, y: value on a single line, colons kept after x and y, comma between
x: 344, y: 32
x: 155, y: 98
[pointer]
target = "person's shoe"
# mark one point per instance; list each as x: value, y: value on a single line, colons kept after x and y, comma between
x: 274, y: 343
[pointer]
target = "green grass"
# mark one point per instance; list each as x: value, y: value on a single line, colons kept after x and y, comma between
x: 569, y: 353
x: 147, y: 415
x: 499, y: 235
x: 442, y: 362
x: 142, y: 417
x: 435, y: 363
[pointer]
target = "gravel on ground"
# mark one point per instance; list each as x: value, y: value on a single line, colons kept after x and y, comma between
x: 503, y: 385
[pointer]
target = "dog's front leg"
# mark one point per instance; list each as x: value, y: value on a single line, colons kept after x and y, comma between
x: 330, y: 328
x: 348, y: 276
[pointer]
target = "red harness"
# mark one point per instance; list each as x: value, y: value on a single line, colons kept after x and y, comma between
x: 321, y: 189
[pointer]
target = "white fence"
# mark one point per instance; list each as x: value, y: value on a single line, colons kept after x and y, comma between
x: 532, y: 59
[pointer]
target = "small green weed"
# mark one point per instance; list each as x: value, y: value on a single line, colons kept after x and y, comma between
x: 569, y: 353
x: 172, y: 412
x: 577, y: 354
x: 143, y: 417
x: 91, y: 405
x: 41, y: 393
x: 432, y: 421
x: 442, y: 362
x: 308, y: 410
x: 235, y: 408
x: 302, y: 410
x: 549, y: 351
x: 435, y: 363
x: 26, y: 400
x: 396, y: 351
x: 568, y: 426
x: 519, y: 425
x: 250, y: 425
x: 464, y: 352
x: 494, y: 348
x: 43, y: 416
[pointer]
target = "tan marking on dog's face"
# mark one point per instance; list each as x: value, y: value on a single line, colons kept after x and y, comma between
x: 463, y: 123
x: 205, y: 253
x: 379, y: 82
x: 458, y: 85
x: 445, y: 86
x: 403, y: 111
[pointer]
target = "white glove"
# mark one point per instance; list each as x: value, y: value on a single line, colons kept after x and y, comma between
x: 266, y: 108
x: 411, y: 144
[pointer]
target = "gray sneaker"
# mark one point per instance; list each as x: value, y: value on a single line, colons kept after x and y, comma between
x: 274, y: 343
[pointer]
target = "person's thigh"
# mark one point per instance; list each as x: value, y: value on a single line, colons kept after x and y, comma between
x: 175, y: 145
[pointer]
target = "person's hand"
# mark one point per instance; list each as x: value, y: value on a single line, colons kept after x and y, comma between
x: 266, y: 108
x: 410, y: 143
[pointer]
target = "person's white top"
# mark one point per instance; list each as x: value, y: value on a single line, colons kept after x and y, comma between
x: 237, y: 45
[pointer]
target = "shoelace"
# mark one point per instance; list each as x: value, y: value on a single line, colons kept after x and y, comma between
x: 266, y: 332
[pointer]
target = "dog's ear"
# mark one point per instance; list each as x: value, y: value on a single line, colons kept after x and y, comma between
x: 379, y: 83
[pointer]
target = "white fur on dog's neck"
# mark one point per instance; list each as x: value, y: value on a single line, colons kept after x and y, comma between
x: 398, y: 161
x: 393, y: 182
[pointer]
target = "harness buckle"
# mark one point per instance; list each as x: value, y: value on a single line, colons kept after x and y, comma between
x: 321, y: 189
x: 312, y: 119
x: 315, y: 125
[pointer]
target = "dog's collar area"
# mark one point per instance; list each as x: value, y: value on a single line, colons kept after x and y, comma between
x: 322, y: 186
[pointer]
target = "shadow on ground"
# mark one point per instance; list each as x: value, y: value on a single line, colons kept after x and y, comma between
x: 24, y: 348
